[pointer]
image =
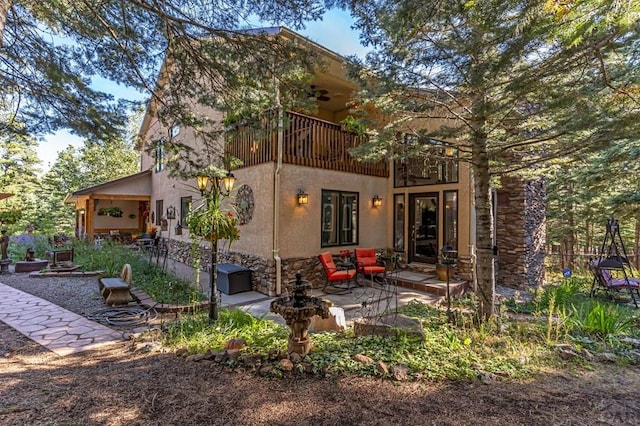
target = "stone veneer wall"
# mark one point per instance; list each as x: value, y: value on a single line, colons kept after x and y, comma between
x: 263, y: 269
x: 521, y: 232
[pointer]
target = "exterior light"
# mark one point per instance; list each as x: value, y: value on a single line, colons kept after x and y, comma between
x: 227, y: 183
x: 303, y: 198
x: 377, y: 201
x: 202, y: 182
x: 171, y: 212
x: 448, y: 151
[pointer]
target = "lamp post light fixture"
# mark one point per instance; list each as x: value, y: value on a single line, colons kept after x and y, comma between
x: 303, y: 198
x: 377, y: 201
x: 219, y: 186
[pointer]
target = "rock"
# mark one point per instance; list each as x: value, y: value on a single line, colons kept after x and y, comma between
x: 210, y: 355
x: 308, y: 367
x: 266, y: 370
x: 220, y: 357
x: 567, y: 354
x: 235, y: 344
x: 274, y: 354
x: 382, y: 368
x: 195, y: 358
x: 632, y: 342
x: 286, y: 364
x: 487, y: 378
x: 295, y: 357
x: 151, y: 347
x: 606, y: 357
x: 233, y: 354
x: 251, y: 361
x: 586, y: 354
x: 399, y: 372
x: 388, y: 326
x: 362, y: 359
x: 181, y: 351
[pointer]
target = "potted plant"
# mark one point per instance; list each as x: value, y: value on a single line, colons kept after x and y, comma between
x: 353, y: 125
x: 114, y: 211
x: 391, y: 259
x: 446, y: 264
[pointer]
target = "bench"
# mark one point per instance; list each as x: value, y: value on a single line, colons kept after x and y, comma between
x: 116, y: 290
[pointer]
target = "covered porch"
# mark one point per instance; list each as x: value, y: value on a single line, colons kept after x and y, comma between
x: 114, y: 209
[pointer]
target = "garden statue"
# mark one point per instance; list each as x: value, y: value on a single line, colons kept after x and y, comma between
x: 4, y: 244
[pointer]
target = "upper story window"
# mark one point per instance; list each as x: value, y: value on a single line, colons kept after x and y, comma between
x: 159, y: 155
x: 339, y: 218
x: 174, y: 131
x: 437, y: 163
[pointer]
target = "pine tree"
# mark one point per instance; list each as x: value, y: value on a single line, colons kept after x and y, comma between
x: 515, y: 83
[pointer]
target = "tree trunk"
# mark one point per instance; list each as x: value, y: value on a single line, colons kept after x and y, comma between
x: 484, y: 228
x: 5, y: 5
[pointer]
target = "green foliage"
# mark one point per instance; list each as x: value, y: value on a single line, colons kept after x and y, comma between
x: 447, y: 352
x: 604, y: 321
x: 211, y: 222
x: 197, y: 333
x: 162, y: 286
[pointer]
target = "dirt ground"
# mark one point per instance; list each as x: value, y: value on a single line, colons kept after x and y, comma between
x: 118, y: 386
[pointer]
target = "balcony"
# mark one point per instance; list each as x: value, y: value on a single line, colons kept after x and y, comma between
x: 308, y: 141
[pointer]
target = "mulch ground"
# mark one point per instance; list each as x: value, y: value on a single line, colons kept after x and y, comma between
x: 120, y: 386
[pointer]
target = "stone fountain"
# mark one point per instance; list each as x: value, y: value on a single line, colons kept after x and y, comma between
x: 297, y: 311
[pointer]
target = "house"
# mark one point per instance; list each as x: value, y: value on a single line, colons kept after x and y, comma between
x: 299, y: 193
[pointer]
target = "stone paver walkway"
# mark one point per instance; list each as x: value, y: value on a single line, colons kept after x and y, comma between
x: 51, y: 326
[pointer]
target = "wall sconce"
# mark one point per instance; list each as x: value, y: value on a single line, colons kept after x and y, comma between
x: 303, y: 198
x: 448, y: 151
x: 377, y: 201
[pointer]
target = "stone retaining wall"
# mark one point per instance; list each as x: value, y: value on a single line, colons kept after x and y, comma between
x: 263, y: 269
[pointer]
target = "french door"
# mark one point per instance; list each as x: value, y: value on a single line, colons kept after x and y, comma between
x: 423, y: 227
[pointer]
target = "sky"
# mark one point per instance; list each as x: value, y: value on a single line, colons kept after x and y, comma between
x: 333, y: 32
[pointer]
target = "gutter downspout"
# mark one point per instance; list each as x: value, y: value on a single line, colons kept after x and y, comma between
x: 276, y: 192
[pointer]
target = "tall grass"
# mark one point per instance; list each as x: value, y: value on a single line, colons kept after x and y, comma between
x: 600, y: 320
x: 197, y: 333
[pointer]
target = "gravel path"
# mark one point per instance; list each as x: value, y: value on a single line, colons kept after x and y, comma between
x: 76, y: 294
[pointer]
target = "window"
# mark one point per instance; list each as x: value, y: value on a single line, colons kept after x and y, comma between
x: 185, y: 203
x: 174, y: 131
x: 398, y: 222
x: 159, y: 211
x: 159, y: 155
x: 451, y: 219
x: 436, y: 163
x: 339, y: 218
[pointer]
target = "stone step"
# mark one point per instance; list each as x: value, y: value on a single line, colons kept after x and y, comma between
x: 429, y: 283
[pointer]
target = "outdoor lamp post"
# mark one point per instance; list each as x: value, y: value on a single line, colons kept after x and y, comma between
x: 219, y: 186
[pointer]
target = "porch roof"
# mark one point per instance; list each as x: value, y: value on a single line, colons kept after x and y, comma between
x: 138, y: 184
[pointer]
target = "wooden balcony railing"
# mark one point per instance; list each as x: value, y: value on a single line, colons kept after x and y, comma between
x: 308, y: 141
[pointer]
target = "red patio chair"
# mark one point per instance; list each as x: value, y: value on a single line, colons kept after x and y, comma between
x: 367, y: 263
x: 336, y: 277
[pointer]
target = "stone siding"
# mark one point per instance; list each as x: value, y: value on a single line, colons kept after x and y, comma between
x: 521, y: 232
x: 263, y: 269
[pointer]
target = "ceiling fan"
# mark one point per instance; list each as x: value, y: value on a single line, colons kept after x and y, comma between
x: 319, y: 94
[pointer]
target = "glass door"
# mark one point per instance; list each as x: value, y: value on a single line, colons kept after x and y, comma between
x: 423, y: 228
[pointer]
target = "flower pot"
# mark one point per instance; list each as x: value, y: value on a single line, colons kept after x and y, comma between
x: 441, y: 271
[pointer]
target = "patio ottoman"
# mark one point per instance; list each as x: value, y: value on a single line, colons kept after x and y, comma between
x: 233, y: 278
